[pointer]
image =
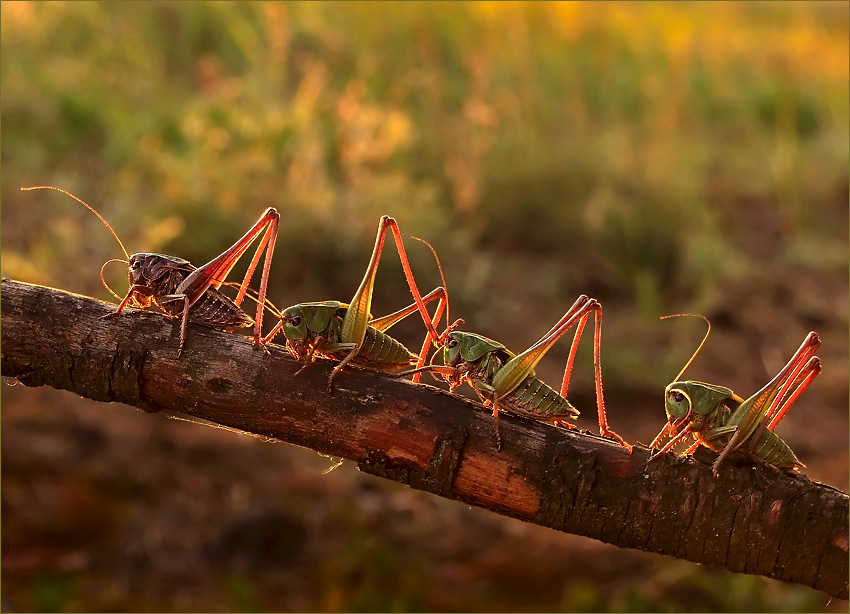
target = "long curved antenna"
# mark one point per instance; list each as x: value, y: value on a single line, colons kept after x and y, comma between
x: 431, y: 366
x: 440, y: 267
x: 254, y: 296
x: 704, y: 339
x: 103, y: 281
x: 87, y: 206
x: 449, y: 327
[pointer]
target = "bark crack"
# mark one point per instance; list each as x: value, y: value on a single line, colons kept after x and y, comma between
x: 445, y: 462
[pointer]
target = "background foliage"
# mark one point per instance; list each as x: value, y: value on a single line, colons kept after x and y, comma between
x: 662, y: 157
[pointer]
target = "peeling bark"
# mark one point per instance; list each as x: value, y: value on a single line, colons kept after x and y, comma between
x: 751, y: 519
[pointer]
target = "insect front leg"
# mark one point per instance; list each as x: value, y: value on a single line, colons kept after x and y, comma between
x: 131, y: 297
x: 670, y: 444
x: 309, y: 359
x: 666, y: 430
x: 691, y: 448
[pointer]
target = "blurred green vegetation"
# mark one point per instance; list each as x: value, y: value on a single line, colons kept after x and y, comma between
x: 662, y: 157
x: 647, y: 154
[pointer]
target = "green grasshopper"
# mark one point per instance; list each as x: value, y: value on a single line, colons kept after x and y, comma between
x: 507, y: 381
x: 725, y: 422
x: 348, y: 333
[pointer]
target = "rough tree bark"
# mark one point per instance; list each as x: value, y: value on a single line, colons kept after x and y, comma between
x: 750, y: 519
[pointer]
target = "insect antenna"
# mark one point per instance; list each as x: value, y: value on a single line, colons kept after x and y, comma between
x: 453, y: 325
x: 431, y: 365
x: 103, y: 281
x: 254, y: 296
x: 702, y: 343
x: 105, y: 223
x: 87, y: 206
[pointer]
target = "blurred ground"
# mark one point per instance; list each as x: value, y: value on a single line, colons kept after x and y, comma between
x: 663, y: 158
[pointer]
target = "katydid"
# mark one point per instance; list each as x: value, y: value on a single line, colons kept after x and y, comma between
x: 348, y: 333
x: 507, y: 381
x: 182, y: 290
x: 725, y: 422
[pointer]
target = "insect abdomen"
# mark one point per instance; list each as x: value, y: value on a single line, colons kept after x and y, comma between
x: 213, y: 309
x: 383, y: 352
x: 537, y: 399
x: 216, y: 310
x: 772, y: 449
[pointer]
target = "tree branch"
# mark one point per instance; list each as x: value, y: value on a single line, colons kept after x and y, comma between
x: 752, y: 520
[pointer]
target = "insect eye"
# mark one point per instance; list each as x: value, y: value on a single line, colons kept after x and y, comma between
x: 134, y: 265
x: 296, y: 320
x: 452, y: 343
x: 676, y: 396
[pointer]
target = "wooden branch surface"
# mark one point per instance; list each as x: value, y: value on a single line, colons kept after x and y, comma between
x: 750, y: 519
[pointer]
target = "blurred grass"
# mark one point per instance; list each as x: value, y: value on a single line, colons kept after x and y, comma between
x: 663, y: 157
x: 616, y: 149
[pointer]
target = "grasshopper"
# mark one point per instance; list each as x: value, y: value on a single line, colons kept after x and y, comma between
x: 183, y: 290
x: 507, y: 381
x: 725, y: 422
x: 348, y: 333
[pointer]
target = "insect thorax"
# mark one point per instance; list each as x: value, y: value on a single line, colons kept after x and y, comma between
x: 485, y: 368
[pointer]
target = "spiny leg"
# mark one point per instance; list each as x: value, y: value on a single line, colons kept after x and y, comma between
x: 597, y: 366
x: 444, y: 304
x: 357, y: 315
x: 692, y: 448
x: 524, y: 363
x: 130, y: 297
x: 426, y: 343
x: 670, y: 444
x: 803, y: 364
x: 754, y: 410
x: 664, y: 431
x: 777, y: 411
x: 271, y: 220
x: 214, y: 273
x: 565, y: 383
x: 812, y: 370
x: 183, y: 324
x: 600, y: 402
x: 496, y: 425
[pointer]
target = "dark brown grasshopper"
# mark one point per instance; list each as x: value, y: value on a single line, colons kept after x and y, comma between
x: 183, y: 290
